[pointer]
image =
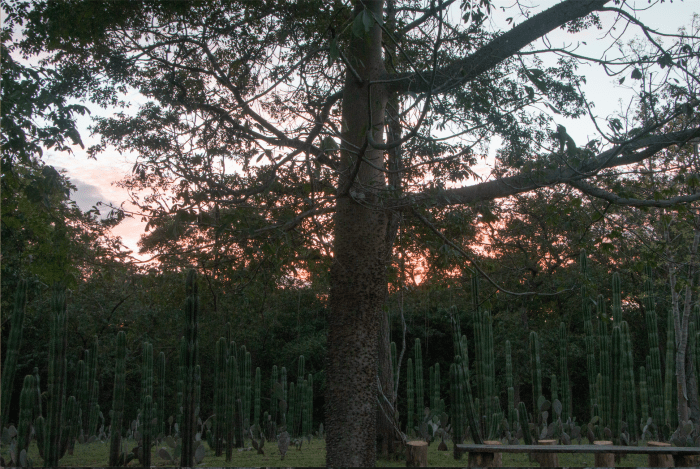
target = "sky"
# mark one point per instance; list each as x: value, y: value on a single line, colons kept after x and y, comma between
x: 96, y: 179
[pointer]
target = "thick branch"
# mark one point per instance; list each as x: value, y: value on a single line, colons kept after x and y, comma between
x: 617, y: 200
x: 534, y: 179
x: 503, y: 47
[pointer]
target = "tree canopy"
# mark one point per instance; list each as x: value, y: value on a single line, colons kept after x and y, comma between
x: 306, y: 135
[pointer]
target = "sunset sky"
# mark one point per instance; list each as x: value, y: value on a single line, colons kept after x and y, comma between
x: 95, y: 179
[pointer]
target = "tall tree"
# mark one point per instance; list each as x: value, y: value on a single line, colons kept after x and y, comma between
x: 263, y: 124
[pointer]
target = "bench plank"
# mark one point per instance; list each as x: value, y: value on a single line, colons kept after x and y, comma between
x: 578, y: 449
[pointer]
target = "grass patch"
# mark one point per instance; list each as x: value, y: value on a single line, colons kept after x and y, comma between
x: 311, y: 455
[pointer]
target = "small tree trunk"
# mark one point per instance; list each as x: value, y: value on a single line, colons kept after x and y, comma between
x: 417, y: 454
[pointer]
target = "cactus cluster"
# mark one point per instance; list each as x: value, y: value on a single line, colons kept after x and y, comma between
x: 654, y: 359
x: 535, y: 369
x: 147, y: 413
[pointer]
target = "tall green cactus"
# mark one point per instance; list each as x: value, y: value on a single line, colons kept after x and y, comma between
x: 248, y: 382
x: 605, y: 399
x: 468, y: 405
x: 189, y: 422
x: 554, y: 388
x: 564, y: 372
x: 418, y: 376
x: 220, y: 395
x: 656, y: 395
x: 181, y: 380
x: 670, y: 403
x: 56, y: 385
x: 525, y: 423
x: 630, y: 399
x: 457, y: 412
x: 274, y: 403
x: 160, y: 372
x: 617, y: 383
x: 485, y: 366
x: 26, y: 404
x: 118, y: 402
x: 643, y: 394
x: 617, y: 299
x: 309, y: 404
x: 394, y: 364
x: 94, y: 410
x: 535, y: 368
x: 146, y: 404
x: 410, y: 397
x: 230, y: 408
x: 590, y: 355
x: 510, y: 387
x: 13, y: 344
x: 258, y: 384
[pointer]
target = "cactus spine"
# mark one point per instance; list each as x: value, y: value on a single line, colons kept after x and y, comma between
x: 564, y: 372
x: 13, y: 345
x: 118, y: 401
x: 535, y: 368
x: 190, y: 382
x: 410, y: 397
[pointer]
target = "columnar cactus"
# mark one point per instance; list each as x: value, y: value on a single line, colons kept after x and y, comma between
x: 160, y: 371
x: 643, y: 394
x: 617, y: 383
x: 554, y: 387
x: 509, y: 385
x: 26, y: 404
x: 94, y: 410
x: 13, y: 345
x: 258, y: 384
x: 51, y: 432
x: 535, y: 368
x: 410, y: 397
x: 220, y: 395
x: 248, y: 380
x: 457, y: 411
x: 118, y: 401
x: 630, y: 401
x: 189, y: 422
x: 485, y: 366
x: 468, y: 405
x: 146, y: 404
x: 590, y: 355
x: 291, y: 414
x: 654, y: 364
x: 395, y: 363
x: 525, y: 423
x: 670, y: 403
x: 181, y: 380
x: 418, y: 376
x: 309, y: 404
x: 564, y: 372
x: 274, y: 379
x: 617, y: 299
x: 605, y: 399
x: 232, y: 423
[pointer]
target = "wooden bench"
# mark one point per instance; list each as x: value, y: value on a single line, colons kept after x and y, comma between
x: 659, y: 454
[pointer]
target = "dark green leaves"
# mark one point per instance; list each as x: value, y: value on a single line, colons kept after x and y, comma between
x: 362, y: 23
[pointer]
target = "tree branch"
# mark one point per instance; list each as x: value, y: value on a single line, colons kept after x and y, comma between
x: 501, y: 48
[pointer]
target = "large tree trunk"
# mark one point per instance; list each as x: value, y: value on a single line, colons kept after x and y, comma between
x: 358, y: 281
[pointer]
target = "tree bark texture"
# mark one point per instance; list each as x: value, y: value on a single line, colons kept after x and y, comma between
x: 358, y: 280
